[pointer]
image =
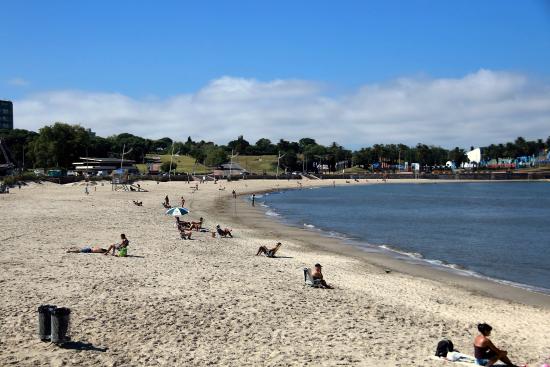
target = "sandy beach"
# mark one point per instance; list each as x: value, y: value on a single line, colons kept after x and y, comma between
x: 210, y: 301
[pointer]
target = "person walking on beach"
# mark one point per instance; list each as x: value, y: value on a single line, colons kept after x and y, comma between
x: 485, y: 352
x: 182, y: 201
x: 166, y: 201
x: 318, y: 275
x: 234, y: 194
x: 253, y: 199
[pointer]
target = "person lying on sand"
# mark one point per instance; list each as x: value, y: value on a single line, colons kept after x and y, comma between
x: 268, y: 252
x: 485, y: 352
x: 138, y: 203
x: 87, y: 250
x: 196, y: 225
x: 118, y: 246
x: 318, y: 275
x: 223, y: 232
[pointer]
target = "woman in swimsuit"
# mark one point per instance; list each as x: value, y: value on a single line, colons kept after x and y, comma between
x: 485, y: 352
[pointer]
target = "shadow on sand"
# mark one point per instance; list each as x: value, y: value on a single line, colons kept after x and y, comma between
x: 82, y: 346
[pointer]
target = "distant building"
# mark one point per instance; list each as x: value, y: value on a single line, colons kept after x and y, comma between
x: 474, y: 155
x: 104, y: 166
x: 6, y: 115
x: 229, y: 169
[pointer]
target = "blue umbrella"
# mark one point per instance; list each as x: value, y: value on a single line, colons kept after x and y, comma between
x: 177, y: 211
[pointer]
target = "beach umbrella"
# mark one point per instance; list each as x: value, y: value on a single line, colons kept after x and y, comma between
x: 177, y: 211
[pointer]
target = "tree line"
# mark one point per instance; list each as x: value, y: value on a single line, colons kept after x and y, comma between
x: 61, y: 144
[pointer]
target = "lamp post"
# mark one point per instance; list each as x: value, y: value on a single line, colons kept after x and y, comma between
x: 279, y: 156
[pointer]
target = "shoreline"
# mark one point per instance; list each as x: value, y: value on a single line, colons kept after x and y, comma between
x: 316, y: 240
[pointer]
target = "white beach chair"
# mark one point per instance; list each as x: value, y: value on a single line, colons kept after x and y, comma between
x: 309, y: 281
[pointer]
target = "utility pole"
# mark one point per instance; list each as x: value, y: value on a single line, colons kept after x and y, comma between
x: 171, y: 160
x: 231, y: 163
x: 278, y: 161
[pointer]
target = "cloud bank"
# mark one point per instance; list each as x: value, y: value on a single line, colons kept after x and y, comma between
x: 477, y: 109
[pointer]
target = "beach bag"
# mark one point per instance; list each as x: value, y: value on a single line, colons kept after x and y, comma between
x: 444, y: 347
x: 123, y: 252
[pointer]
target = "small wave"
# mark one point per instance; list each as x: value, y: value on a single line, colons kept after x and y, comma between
x: 414, y: 255
x: 271, y: 213
x: 309, y: 225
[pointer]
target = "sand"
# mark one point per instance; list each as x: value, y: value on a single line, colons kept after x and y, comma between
x: 210, y: 301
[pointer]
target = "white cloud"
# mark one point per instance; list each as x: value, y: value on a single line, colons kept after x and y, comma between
x: 477, y: 109
x: 18, y: 82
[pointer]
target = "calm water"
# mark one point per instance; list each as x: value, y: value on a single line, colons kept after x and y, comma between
x: 497, y: 230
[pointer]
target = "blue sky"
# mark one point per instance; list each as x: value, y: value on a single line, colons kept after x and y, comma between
x: 147, y: 50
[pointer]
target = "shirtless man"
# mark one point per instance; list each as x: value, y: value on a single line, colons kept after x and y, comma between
x: 318, y: 275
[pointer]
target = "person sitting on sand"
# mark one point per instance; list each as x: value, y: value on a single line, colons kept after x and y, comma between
x: 317, y: 275
x: 182, y: 224
x: 223, y: 232
x: 268, y: 252
x: 485, y: 352
x: 87, y: 250
x: 185, y: 234
x: 196, y: 225
x: 118, y: 246
x: 138, y: 203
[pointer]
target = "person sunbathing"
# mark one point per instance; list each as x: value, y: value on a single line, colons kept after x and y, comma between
x: 185, y: 234
x: 485, y: 352
x: 268, y: 252
x: 87, y: 250
x: 118, y: 246
x: 196, y: 225
x: 182, y: 224
x: 223, y: 232
x: 317, y: 275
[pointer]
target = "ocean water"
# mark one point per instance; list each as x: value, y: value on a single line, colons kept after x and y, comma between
x: 495, y: 230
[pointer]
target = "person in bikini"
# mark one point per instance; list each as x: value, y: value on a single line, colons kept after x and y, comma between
x: 117, y: 246
x: 485, y: 352
x: 269, y: 252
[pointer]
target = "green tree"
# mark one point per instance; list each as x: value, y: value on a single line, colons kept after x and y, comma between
x: 165, y: 166
x: 215, y: 156
x: 60, y: 145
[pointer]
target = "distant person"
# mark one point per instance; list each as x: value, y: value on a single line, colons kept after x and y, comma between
x: 87, y: 250
x: 223, y: 232
x: 182, y: 201
x: 485, y: 352
x: 234, y: 194
x: 166, y: 201
x: 317, y: 275
x: 138, y: 203
x: 197, y: 225
x: 86, y: 190
x: 269, y: 252
x: 118, y: 246
x: 253, y: 199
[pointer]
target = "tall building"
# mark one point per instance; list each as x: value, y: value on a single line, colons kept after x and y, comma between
x: 6, y: 115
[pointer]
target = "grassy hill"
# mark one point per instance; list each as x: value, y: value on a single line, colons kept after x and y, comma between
x: 184, y: 163
x: 257, y: 163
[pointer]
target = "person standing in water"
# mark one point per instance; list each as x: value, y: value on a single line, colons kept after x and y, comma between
x: 253, y: 199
